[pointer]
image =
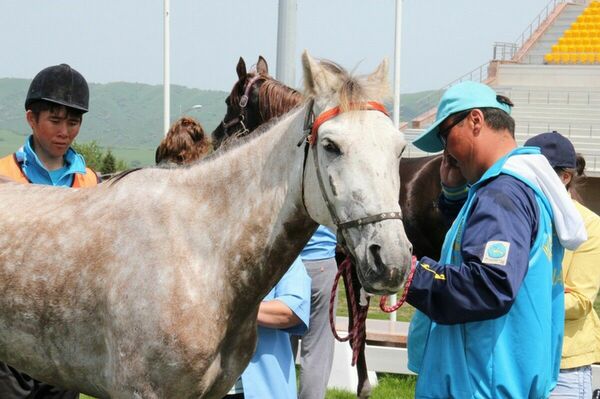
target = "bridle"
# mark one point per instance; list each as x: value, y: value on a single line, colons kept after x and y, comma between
x: 311, y: 129
x: 241, y: 119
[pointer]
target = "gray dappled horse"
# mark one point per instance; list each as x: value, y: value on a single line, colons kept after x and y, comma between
x: 148, y: 285
x: 256, y: 98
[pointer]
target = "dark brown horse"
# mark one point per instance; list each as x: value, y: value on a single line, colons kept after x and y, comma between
x: 256, y: 98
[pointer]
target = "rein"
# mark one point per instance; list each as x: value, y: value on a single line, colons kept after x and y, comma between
x: 383, y: 302
x: 358, y: 305
x: 357, y: 311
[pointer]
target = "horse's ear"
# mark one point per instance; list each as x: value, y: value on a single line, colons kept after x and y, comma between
x: 380, y: 74
x: 241, y: 69
x: 261, y: 66
x: 318, y: 80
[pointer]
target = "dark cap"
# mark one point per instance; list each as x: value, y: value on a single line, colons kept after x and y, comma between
x: 556, y: 148
x: 59, y: 84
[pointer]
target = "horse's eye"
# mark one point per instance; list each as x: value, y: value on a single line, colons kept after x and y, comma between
x: 332, y: 148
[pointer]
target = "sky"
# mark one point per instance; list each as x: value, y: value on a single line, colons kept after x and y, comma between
x: 122, y: 40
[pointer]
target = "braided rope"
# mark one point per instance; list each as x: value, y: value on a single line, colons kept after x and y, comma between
x: 383, y: 302
x: 357, y: 313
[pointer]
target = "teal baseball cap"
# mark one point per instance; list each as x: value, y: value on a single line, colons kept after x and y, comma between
x: 460, y: 97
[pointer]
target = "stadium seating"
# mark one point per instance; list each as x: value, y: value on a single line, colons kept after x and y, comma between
x: 580, y: 44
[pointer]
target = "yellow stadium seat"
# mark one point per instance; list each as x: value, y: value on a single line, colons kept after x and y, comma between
x: 583, y: 58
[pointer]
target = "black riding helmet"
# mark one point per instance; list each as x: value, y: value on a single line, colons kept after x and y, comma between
x: 59, y: 84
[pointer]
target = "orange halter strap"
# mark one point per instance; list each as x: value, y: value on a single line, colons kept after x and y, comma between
x: 311, y: 128
x: 333, y: 112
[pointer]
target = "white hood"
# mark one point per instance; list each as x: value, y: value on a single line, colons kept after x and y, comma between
x: 567, y: 220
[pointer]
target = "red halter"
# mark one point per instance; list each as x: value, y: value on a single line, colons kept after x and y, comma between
x: 333, y: 112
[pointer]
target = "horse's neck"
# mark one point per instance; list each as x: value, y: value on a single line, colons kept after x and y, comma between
x: 257, y: 194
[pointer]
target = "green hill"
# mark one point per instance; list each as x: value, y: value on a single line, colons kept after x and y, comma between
x: 127, y: 117
x: 121, y: 114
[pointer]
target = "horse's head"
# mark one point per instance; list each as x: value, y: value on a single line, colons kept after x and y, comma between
x: 242, y: 114
x: 351, y: 177
x: 254, y: 99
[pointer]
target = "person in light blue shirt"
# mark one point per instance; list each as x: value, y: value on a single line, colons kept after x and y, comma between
x: 271, y: 373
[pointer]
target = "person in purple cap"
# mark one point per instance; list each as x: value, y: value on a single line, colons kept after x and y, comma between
x: 490, y: 311
x: 581, y: 276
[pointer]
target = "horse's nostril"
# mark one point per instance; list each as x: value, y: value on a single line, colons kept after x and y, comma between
x: 374, y: 249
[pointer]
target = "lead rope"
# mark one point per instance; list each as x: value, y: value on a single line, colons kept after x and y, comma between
x: 357, y: 313
x: 383, y: 302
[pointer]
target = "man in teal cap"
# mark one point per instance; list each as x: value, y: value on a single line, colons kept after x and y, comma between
x: 490, y: 312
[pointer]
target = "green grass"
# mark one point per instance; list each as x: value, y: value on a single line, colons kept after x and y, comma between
x: 390, y: 386
x: 403, y: 314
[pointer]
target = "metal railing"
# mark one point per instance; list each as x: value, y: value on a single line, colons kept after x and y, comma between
x: 552, y: 96
x: 430, y: 101
x: 540, y: 19
x: 504, y: 51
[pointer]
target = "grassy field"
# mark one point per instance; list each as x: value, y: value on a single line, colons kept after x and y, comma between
x: 9, y: 142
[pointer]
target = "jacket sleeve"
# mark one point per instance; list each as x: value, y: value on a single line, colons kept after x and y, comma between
x: 504, y: 217
x: 582, y: 272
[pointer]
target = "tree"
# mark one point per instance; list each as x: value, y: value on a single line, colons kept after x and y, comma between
x: 92, y: 153
x: 96, y: 159
x: 109, y: 163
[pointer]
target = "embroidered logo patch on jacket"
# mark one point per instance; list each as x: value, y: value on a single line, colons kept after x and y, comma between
x: 496, y: 252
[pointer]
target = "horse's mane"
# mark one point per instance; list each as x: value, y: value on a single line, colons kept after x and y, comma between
x: 355, y: 91
x: 276, y: 99
x: 119, y: 176
x: 232, y: 142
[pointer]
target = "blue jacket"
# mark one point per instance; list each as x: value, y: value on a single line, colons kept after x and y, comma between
x: 271, y: 373
x: 490, y: 317
x: 38, y: 174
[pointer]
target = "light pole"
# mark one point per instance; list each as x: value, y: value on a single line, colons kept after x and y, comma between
x: 166, y: 67
x: 193, y: 107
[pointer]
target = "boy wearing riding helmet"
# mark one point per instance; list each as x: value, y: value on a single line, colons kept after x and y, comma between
x: 56, y: 101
